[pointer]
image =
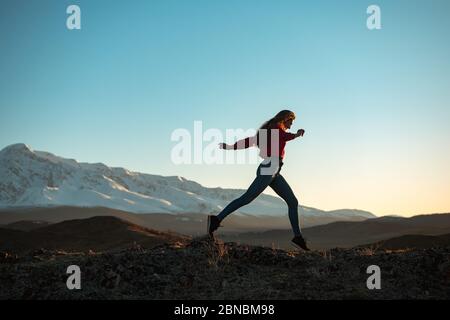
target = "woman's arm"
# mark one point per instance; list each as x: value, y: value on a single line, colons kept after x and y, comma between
x: 287, y: 136
x: 241, y: 144
x: 252, y: 141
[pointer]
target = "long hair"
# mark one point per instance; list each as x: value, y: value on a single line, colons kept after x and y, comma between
x: 281, y: 116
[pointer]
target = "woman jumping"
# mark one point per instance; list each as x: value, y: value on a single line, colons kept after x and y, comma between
x: 268, y: 172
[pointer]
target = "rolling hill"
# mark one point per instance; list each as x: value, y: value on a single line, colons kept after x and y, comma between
x: 412, y: 241
x: 350, y: 234
x: 186, y: 223
x: 97, y: 234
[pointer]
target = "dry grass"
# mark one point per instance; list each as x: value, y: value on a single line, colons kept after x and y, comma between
x: 370, y: 250
x: 217, y: 252
x: 326, y: 255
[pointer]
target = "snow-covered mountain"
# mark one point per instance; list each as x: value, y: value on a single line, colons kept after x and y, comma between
x: 37, y: 178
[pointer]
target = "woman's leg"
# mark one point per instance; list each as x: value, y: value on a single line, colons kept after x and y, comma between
x: 258, y: 185
x: 282, y: 188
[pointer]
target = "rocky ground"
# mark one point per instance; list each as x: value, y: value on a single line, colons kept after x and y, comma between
x: 207, y: 269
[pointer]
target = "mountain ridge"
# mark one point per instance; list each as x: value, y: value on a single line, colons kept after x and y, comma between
x: 32, y: 178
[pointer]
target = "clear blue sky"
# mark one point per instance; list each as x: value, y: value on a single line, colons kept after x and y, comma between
x: 374, y: 104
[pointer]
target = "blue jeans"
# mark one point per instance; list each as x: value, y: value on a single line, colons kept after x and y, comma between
x: 277, y: 182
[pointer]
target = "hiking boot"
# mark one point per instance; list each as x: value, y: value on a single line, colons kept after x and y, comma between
x: 213, y: 224
x: 299, y: 242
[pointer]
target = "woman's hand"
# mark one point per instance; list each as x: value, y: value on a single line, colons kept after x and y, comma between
x: 223, y: 146
x: 300, y: 133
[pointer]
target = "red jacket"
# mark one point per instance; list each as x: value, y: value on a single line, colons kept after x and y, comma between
x: 265, y: 148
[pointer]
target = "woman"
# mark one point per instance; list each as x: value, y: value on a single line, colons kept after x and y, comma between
x: 268, y: 173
